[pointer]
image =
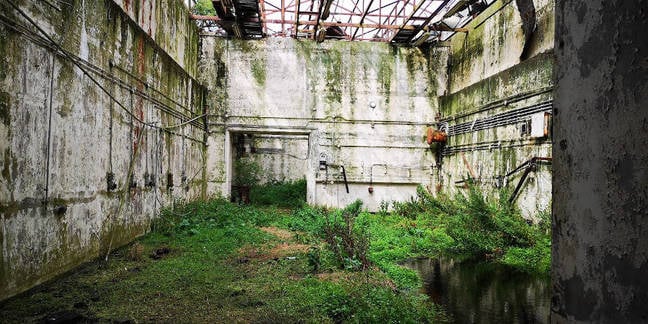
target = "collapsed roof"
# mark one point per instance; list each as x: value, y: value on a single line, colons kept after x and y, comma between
x: 401, y: 22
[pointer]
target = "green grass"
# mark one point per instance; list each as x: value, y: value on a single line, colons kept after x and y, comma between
x: 221, y: 269
x: 289, y: 194
x: 474, y: 226
x: 221, y: 266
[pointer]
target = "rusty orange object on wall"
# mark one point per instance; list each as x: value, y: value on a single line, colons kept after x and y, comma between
x: 435, y: 136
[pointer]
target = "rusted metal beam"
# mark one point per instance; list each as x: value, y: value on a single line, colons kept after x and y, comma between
x: 353, y: 12
x: 263, y: 15
x: 401, y: 11
x: 333, y: 23
x: 427, y: 21
x: 283, y: 16
x: 325, y: 7
x: 364, y: 15
x: 409, y: 17
x: 296, y: 18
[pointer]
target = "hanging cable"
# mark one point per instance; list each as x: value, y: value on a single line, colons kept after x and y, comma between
x: 58, y: 47
x: 78, y: 62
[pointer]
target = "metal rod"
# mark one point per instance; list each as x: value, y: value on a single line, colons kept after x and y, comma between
x: 346, y: 184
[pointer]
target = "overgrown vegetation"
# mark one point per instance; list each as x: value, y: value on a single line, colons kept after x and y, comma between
x: 288, y: 194
x: 220, y: 262
x: 246, y: 172
x: 479, y: 226
x: 348, y: 237
x: 204, y: 7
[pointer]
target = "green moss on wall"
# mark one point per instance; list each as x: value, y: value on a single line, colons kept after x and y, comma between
x: 332, y: 62
x: 3, y: 53
x: 385, y: 73
x: 259, y: 71
x: 530, y: 75
x: 5, y: 108
x: 6, y: 167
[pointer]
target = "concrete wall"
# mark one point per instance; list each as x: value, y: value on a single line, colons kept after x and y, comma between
x: 600, y: 210
x: 61, y: 135
x: 167, y: 23
x: 492, y: 93
x: 364, y: 106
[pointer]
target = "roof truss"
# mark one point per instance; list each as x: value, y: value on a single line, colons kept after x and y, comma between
x: 404, y: 22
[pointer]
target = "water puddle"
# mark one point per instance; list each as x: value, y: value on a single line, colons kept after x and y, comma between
x: 474, y: 292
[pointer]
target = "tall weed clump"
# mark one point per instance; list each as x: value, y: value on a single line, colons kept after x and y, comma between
x: 483, y: 225
x: 347, y: 234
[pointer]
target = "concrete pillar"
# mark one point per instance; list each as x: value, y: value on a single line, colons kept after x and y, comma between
x: 600, y: 196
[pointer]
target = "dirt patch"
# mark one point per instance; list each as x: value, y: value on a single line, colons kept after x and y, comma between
x: 344, y: 276
x: 278, y: 232
x: 280, y: 250
x: 286, y: 249
x: 250, y: 252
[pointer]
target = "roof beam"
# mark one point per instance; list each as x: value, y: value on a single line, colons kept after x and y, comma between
x: 416, y: 8
x: 364, y: 15
x: 263, y: 14
x: 429, y: 19
x: 325, y: 8
x: 296, y: 18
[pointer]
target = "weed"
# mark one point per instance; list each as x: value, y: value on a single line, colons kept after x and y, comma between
x: 135, y: 252
x: 290, y: 194
x: 314, y: 258
x: 348, y: 237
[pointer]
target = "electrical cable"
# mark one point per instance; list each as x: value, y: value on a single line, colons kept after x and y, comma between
x: 48, y: 43
x: 58, y: 47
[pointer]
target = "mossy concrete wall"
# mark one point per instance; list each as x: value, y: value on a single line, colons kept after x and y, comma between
x: 600, y: 211
x: 487, y: 78
x: 364, y: 106
x: 61, y: 135
x: 167, y: 22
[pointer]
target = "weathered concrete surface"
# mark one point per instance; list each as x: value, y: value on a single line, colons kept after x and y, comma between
x: 167, y: 22
x: 486, y: 79
x: 495, y: 42
x: 60, y: 136
x: 600, y: 210
x: 364, y: 106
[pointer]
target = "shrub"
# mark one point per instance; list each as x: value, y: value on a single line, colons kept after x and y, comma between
x: 347, y: 236
x: 290, y: 194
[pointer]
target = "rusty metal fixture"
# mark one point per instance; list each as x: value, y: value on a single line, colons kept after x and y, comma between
x: 371, y: 190
x: 346, y: 183
x: 436, y: 136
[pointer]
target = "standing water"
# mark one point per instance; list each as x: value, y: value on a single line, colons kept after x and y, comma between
x: 482, y: 292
